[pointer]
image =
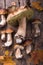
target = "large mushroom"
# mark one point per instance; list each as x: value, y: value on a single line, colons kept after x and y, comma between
x: 36, y: 24
x: 20, y: 14
x: 21, y: 32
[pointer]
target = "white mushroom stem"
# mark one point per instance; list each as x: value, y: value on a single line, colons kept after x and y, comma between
x: 37, y: 28
x: 3, y: 20
x: 2, y: 36
x: 22, y: 28
x: 28, y: 49
x: 9, y: 40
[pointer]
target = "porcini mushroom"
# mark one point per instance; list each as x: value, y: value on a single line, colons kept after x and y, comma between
x: 18, y: 49
x: 36, y: 24
x: 9, y: 38
x: 28, y: 46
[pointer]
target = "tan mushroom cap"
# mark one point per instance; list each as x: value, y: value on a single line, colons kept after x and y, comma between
x: 37, y: 22
x: 2, y: 11
x: 9, y: 30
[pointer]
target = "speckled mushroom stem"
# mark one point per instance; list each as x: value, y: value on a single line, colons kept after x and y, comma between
x: 22, y: 28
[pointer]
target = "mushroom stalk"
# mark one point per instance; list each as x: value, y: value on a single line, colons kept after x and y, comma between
x: 37, y: 29
x: 3, y: 20
x: 22, y: 28
x: 3, y: 36
x: 9, y: 40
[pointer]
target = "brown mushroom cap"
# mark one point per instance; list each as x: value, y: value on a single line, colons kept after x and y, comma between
x: 27, y: 43
x: 36, y: 22
x: 3, y: 11
x: 3, y: 31
x: 9, y: 30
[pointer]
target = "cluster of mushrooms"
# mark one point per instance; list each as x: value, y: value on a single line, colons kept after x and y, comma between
x: 19, y: 36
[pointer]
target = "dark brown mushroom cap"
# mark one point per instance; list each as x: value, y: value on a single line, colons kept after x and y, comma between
x: 3, y: 11
x: 27, y: 43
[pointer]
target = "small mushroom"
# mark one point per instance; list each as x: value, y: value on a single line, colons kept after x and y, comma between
x: 36, y: 24
x: 9, y: 38
x: 21, y: 32
x: 28, y: 49
x: 18, y: 49
x: 18, y: 54
x: 28, y: 46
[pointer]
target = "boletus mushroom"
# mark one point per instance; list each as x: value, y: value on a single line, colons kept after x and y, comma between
x: 36, y: 24
x: 8, y: 43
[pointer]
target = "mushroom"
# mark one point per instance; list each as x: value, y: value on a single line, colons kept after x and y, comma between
x: 36, y: 27
x: 28, y: 46
x: 2, y: 17
x: 18, y: 49
x: 9, y: 38
x: 18, y: 54
x: 21, y: 32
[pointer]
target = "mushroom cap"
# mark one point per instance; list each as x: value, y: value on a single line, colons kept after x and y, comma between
x: 3, y: 11
x: 3, y: 31
x: 36, y: 22
x: 9, y: 30
x: 27, y: 43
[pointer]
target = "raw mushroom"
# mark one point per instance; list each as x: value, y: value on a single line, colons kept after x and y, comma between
x: 18, y: 54
x: 21, y: 31
x: 18, y: 49
x: 36, y: 27
x: 28, y: 46
x: 28, y: 49
x: 9, y: 38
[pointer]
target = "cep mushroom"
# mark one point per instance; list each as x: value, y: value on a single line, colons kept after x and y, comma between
x: 36, y: 24
x: 28, y: 46
x: 2, y: 17
x: 18, y: 49
x: 9, y: 38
